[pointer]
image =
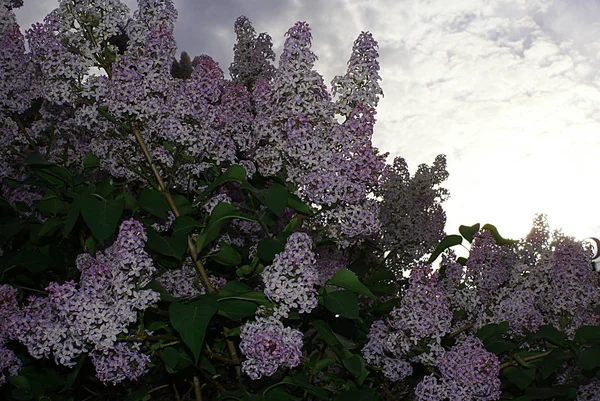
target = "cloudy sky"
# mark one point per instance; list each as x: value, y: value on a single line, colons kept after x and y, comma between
x: 508, y: 90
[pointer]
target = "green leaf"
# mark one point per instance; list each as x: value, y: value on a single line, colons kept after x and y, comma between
x: 226, y: 255
x: 468, y: 231
x: 278, y: 394
x: 301, y: 381
x: 499, y: 240
x: 499, y: 346
x: 101, y: 216
x: 51, y: 205
x: 72, y: 215
x: 329, y: 337
x: 73, y: 375
x: 364, y: 394
x: 220, y: 215
x: 137, y: 394
x: 170, y: 357
x: 276, y: 197
x: 521, y: 378
x: 130, y: 202
x: 321, y: 364
x: 347, y: 279
x: 235, y: 173
x: 378, y: 277
x: 164, y: 294
x: 233, y: 288
x: 155, y: 203
x: 90, y: 161
x: 343, y: 303
x: 547, y: 393
x: 267, y: 249
x: 354, y: 364
x: 552, y: 362
x: 254, y: 296
x: 183, y: 205
x: 184, y: 225
x: 550, y: 333
x: 36, y: 159
x: 50, y: 226
x: 235, y: 309
x: 294, y: 202
x: 448, y: 242
x: 169, y: 246
x: 589, y: 358
x: 588, y: 334
x: 488, y: 331
x: 191, y: 320
x: 35, y: 262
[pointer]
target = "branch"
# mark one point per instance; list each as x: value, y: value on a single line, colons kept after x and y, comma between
x: 162, y: 188
x: 527, y: 359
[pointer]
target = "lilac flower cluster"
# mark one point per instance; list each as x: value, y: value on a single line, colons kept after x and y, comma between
x: 468, y: 372
x: 379, y: 351
x: 269, y: 345
x: 487, y: 265
x: 9, y: 362
x: 411, y: 214
x: 182, y: 283
x: 329, y: 262
x: 290, y: 280
x: 123, y: 362
x: 88, y: 316
x: 251, y: 54
x: 167, y: 224
x: 361, y: 82
x: 421, y: 320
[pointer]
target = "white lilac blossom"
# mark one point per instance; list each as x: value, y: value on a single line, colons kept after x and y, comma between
x: 89, y: 315
x: 181, y: 283
x: 290, y: 280
x: 269, y: 345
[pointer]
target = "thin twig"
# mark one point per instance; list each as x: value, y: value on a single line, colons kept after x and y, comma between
x: 527, y: 359
x: 162, y: 188
x: 197, y: 391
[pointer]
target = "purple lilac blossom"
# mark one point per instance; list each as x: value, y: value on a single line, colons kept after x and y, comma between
x: 431, y: 389
x: 589, y: 391
x: 252, y: 54
x: 487, y: 265
x: 9, y: 363
x: 268, y: 345
x: 180, y: 282
x: 122, y: 362
x: 89, y: 315
x: 329, y: 262
x: 411, y: 214
x: 290, y: 280
x: 361, y: 82
x: 468, y: 372
x: 380, y: 353
x: 424, y: 314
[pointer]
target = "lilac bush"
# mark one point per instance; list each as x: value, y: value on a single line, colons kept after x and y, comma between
x: 243, y: 238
